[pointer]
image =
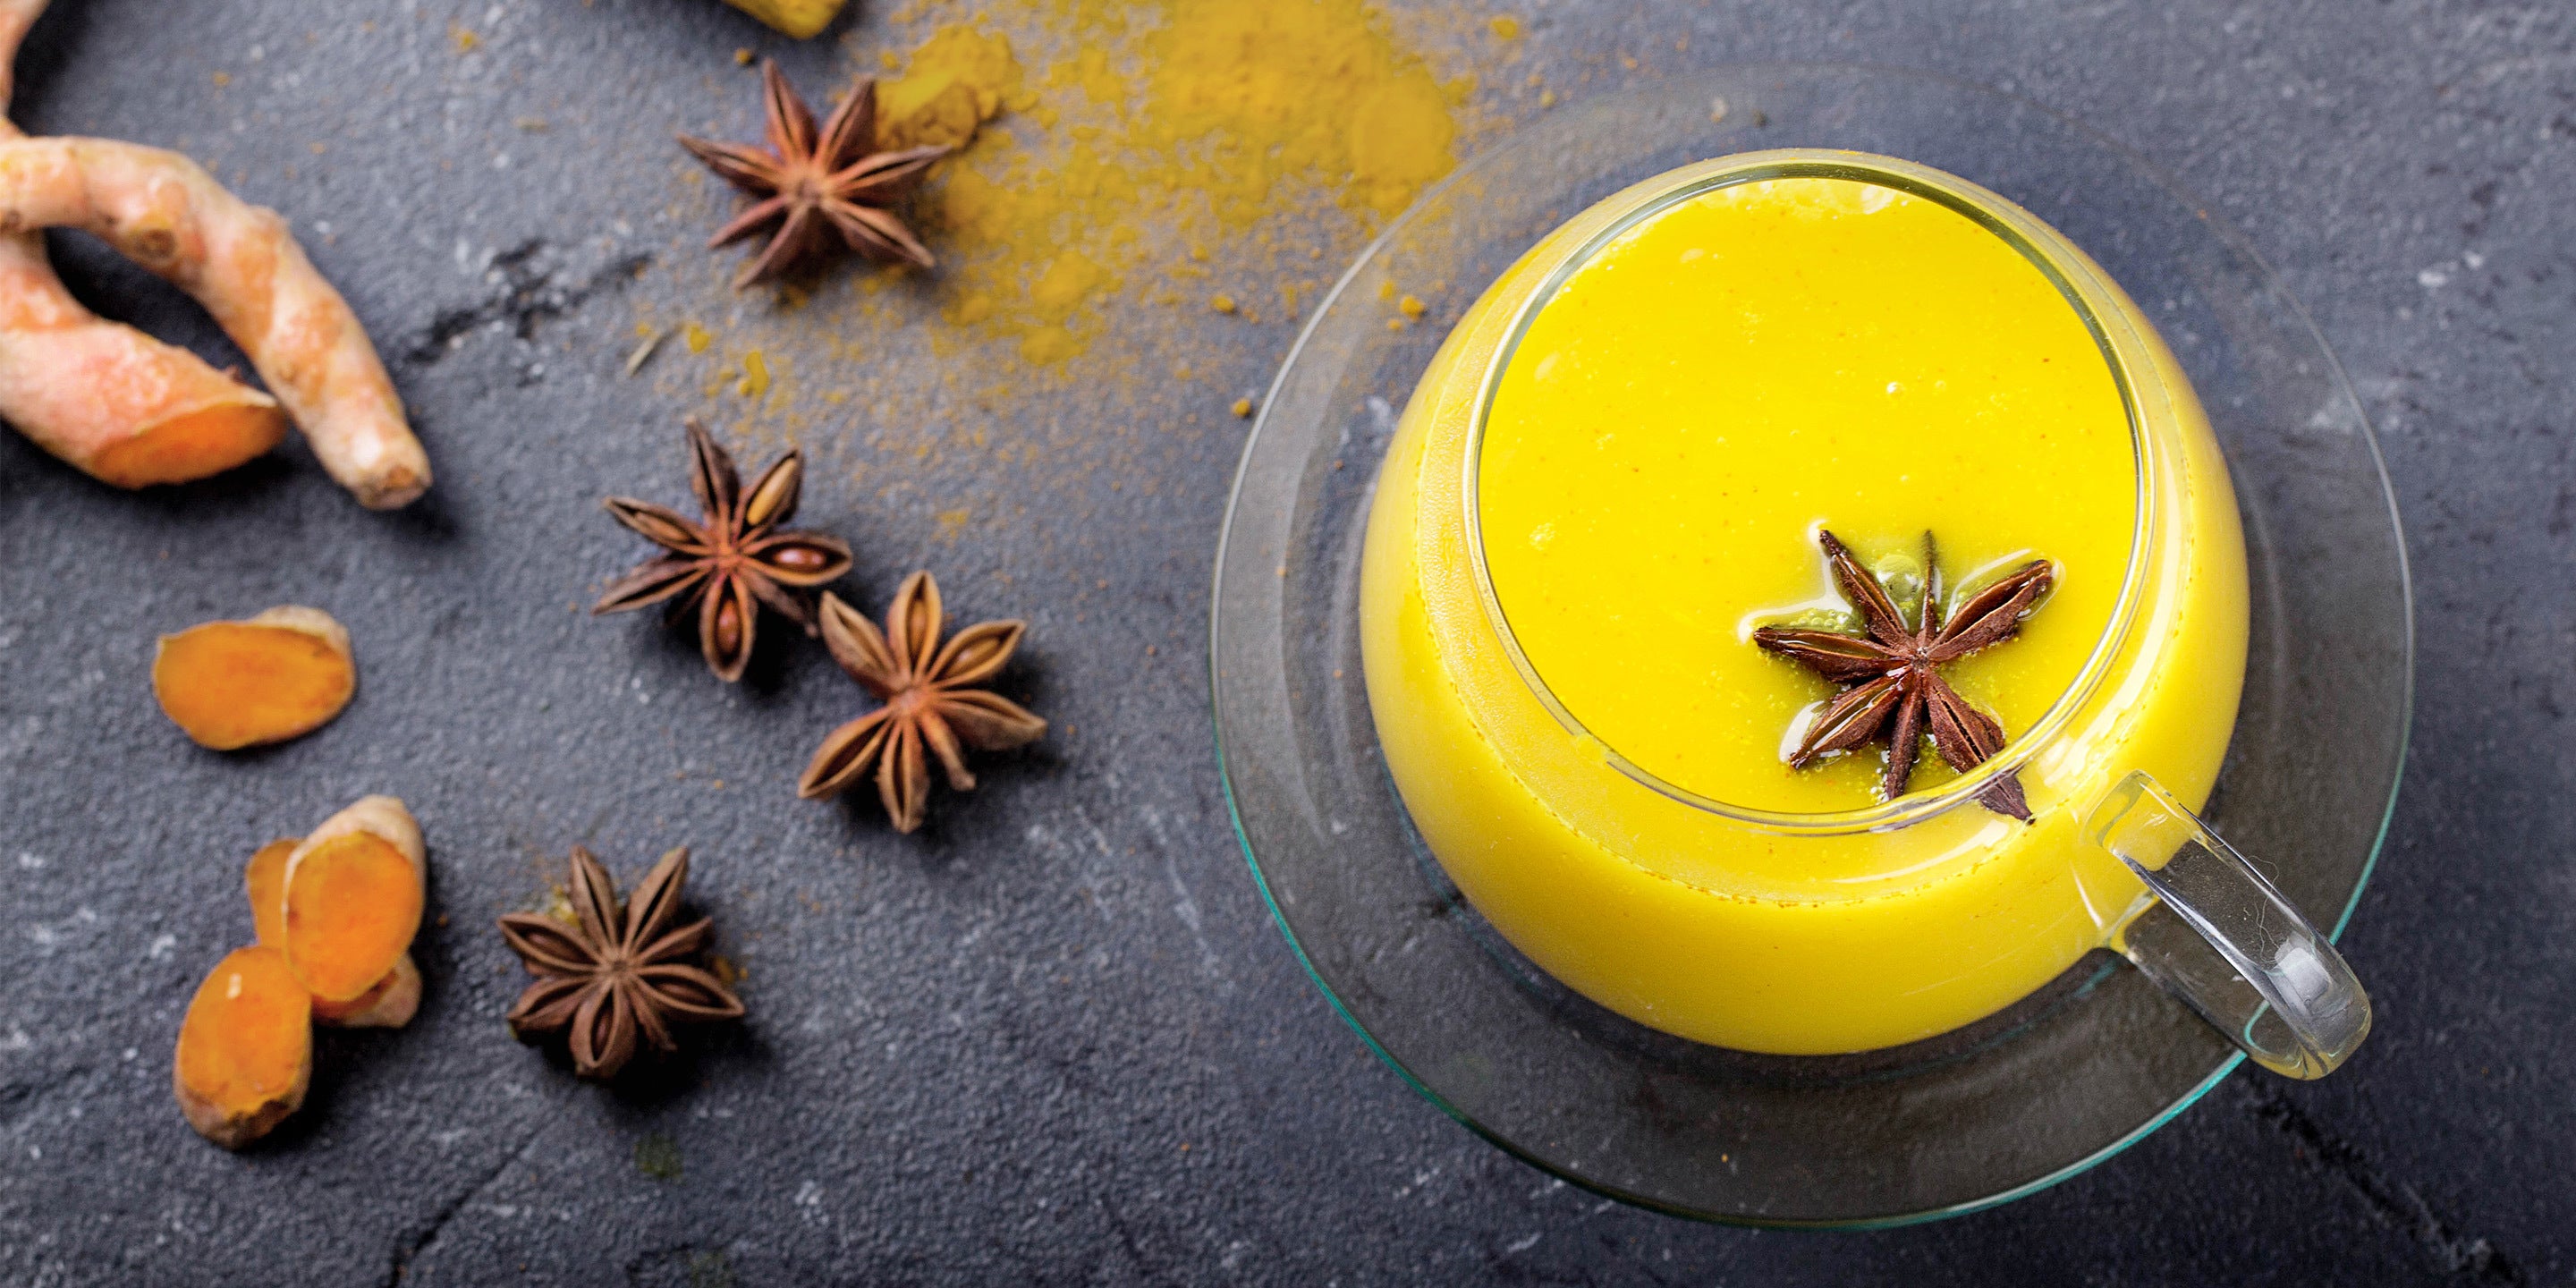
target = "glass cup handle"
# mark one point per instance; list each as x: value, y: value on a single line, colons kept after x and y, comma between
x: 2273, y: 984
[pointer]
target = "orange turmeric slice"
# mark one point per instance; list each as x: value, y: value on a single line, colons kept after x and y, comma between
x: 354, y: 891
x: 797, y: 18
x: 280, y: 675
x: 388, y: 1004
x: 246, y: 1048
x: 189, y: 445
x: 352, y: 906
x: 266, y: 879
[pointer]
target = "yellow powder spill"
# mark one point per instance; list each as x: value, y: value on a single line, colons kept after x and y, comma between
x: 1163, y: 126
x: 959, y: 79
x: 1296, y: 88
x: 1126, y: 163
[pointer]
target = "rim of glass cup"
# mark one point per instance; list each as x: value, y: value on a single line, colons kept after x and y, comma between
x: 1988, y: 211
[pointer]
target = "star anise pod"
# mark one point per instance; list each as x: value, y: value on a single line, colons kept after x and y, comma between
x: 731, y: 562
x: 1894, y: 671
x: 818, y: 188
x: 931, y: 700
x: 617, y: 972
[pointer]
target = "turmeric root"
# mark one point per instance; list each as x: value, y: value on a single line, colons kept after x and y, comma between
x: 354, y: 890
x: 280, y: 675
x: 106, y: 398
x: 164, y: 212
x: 388, y: 1004
x: 110, y: 401
x: 797, y: 18
x: 245, y: 1050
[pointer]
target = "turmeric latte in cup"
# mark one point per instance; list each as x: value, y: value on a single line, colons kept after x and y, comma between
x: 1773, y: 573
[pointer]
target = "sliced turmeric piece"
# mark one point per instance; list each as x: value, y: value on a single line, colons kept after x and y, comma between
x: 354, y: 891
x: 187, y: 445
x: 390, y: 1004
x: 352, y: 905
x: 246, y: 1048
x: 280, y: 675
x: 798, y: 18
x: 266, y: 879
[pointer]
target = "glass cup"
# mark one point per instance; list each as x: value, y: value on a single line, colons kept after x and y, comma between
x: 1874, y: 927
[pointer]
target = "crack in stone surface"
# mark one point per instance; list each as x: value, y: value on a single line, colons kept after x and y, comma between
x: 2391, y: 1201
x: 530, y: 296
x: 1127, y: 1240
x: 705, y: 1267
x: 20, y: 1097
x: 412, y: 1244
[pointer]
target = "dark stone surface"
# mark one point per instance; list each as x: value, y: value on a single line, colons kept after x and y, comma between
x: 1055, y: 1037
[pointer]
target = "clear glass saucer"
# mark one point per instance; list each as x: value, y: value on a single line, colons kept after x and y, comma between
x: 2026, y: 1098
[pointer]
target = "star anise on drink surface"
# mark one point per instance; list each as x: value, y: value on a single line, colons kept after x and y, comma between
x: 818, y: 188
x: 618, y: 972
x: 730, y: 563
x: 1894, y: 670
x: 932, y: 702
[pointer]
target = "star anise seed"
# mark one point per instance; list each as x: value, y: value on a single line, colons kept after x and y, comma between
x: 618, y: 972
x: 1894, y: 670
x: 732, y: 562
x: 816, y: 187
x: 931, y: 700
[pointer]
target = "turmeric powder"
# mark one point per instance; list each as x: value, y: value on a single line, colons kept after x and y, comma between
x: 353, y: 896
x: 245, y: 1051
x: 105, y: 398
x: 280, y: 675
x: 1161, y: 122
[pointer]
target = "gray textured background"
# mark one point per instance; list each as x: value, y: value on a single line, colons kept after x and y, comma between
x: 1055, y: 1037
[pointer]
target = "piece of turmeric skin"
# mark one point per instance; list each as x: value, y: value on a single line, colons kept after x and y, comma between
x: 107, y: 399
x: 132, y: 411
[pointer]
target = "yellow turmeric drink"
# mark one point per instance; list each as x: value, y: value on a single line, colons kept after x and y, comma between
x: 1768, y: 574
